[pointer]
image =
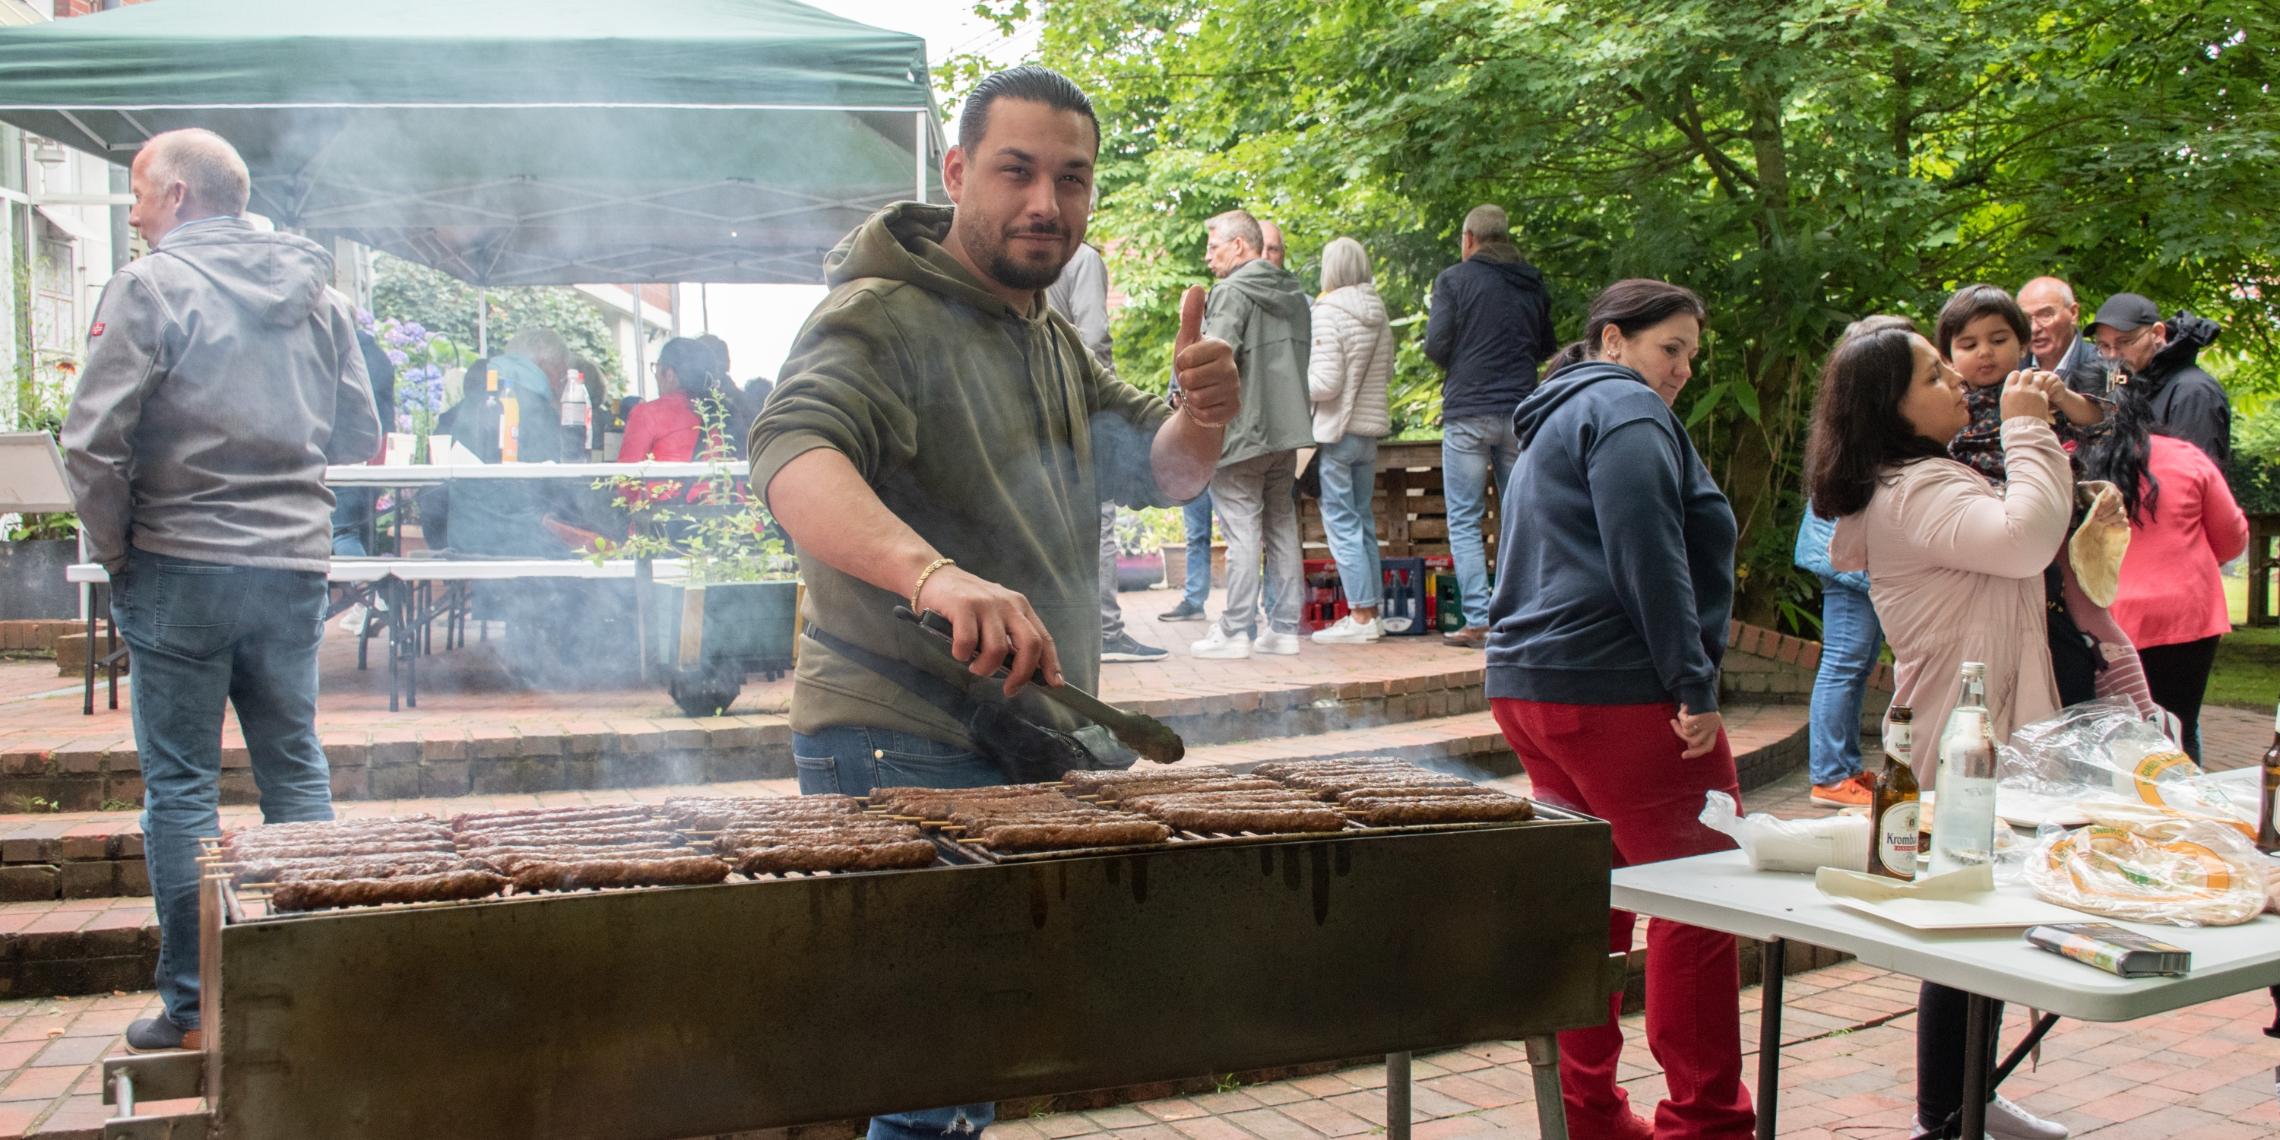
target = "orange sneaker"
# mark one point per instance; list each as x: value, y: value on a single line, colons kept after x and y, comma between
x: 1852, y: 791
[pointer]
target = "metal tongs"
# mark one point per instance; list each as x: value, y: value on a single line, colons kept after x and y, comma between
x: 1151, y: 738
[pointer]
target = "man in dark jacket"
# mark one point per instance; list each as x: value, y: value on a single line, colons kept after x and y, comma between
x: 2188, y: 403
x: 1490, y: 327
x: 222, y: 376
x: 2056, y: 343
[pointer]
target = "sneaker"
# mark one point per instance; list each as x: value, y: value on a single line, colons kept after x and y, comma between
x: 1183, y: 612
x: 1269, y: 641
x: 2007, y: 1121
x: 1123, y: 648
x: 158, y: 1035
x: 1470, y: 637
x: 1852, y: 791
x: 1347, y: 631
x: 1217, y: 644
x: 355, y: 619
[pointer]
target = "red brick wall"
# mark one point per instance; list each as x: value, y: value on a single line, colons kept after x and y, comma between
x: 66, y: 9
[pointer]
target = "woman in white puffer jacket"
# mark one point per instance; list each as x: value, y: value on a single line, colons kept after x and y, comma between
x: 1346, y: 376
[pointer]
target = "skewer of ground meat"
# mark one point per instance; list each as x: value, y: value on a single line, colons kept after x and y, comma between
x: 340, y: 850
x: 1048, y: 836
x: 1320, y: 817
x: 1095, y: 780
x: 1144, y: 787
x: 1412, y: 791
x: 367, y: 870
x: 604, y: 872
x: 318, y: 894
x: 370, y: 867
x: 507, y: 861
x: 568, y: 837
x: 1446, y: 809
x: 1285, y: 798
x: 543, y: 816
x: 749, y: 840
x: 313, y: 832
x: 836, y: 857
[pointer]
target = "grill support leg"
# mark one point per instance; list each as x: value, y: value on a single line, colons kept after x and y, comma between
x: 1544, y: 1065
x: 1773, y: 963
x: 1397, y: 1096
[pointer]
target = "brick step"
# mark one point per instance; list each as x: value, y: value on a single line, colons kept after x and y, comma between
x: 60, y: 947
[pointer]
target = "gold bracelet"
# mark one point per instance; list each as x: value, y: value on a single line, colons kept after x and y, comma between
x: 923, y: 575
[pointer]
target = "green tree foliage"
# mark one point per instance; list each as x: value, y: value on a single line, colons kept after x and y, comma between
x: 1799, y: 164
x: 444, y: 304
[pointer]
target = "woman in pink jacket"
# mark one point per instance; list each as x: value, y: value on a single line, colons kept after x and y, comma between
x: 2183, y: 525
x: 1955, y: 569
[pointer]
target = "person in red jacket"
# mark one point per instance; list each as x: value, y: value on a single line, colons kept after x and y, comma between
x: 2184, y: 524
x: 667, y: 427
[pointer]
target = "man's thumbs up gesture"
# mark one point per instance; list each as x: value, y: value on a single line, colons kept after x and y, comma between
x: 1211, y: 393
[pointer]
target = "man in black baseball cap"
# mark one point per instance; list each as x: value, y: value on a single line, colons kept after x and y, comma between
x: 2187, y: 403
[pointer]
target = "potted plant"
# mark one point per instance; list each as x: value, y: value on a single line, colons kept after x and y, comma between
x: 36, y: 549
x: 1140, y: 544
x: 421, y: 358
x: 735, y: 610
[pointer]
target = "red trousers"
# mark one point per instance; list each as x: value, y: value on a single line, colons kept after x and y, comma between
x: 1621, y: 763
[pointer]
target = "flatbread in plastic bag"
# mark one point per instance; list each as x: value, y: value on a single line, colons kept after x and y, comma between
x: 2150, y: 865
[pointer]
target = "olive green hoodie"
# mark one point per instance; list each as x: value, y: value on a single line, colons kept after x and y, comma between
x: 994, y: 435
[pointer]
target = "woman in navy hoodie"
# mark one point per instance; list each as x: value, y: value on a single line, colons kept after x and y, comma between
x: 1616, y: 576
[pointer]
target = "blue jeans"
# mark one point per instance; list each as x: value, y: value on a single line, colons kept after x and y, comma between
x: 1349, y: 477
x: 202, y: 635
x: 1195, y: 518
x: 353, y: 508
x: 1849, y: 640
x: 851, y: 760
x: 1473, y: 447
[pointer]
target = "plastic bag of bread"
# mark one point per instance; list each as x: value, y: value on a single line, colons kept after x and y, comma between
x: 2103, y: 751
x: 1799, y: 845
x: 2149, y: 865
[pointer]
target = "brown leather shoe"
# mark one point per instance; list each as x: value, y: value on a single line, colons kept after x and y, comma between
x: 1470, y: 637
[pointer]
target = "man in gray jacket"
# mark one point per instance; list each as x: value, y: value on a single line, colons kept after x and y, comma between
x: 222, y: 376
x: 1261, y: 310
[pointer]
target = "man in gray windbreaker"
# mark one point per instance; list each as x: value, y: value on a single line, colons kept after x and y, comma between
x: 222, y: 376
x: 1261, y: 309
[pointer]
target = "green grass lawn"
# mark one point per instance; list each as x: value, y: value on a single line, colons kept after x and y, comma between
x: 2247, y: 674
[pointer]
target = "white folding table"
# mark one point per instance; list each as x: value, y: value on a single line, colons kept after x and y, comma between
x: 1720, y: 892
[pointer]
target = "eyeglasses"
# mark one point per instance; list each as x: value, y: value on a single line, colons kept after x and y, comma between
x: 2121, y: 342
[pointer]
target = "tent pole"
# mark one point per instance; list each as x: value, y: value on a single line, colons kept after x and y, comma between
x: 482, y: 322
x: 640, y: 345
x: 920, y: 161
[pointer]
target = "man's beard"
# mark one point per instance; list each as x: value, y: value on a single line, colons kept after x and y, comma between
x: 1015, y: 274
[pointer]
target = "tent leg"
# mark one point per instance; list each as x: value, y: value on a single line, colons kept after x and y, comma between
x: 920, y: 162
x: 482, y: 322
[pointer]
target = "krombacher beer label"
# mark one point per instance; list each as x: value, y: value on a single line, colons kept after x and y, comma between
x: 1895, y: 806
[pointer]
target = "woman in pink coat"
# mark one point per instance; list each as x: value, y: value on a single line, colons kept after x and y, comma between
x: 1955, y: 570
x: 2183, y: 525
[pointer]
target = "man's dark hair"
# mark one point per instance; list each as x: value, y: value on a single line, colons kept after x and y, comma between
x: 1858, y: 430
x: 1973, y: 302
x: 1028, y: 82
x: 2123, y: 453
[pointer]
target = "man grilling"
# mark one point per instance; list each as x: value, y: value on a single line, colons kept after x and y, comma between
x: 940, y: 439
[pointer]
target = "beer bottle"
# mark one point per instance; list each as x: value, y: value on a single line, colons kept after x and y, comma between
x: 2268, y: 798
x: 1895, y: 804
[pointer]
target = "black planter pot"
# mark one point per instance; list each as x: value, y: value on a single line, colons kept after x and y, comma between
x: 31, y: 579
x: 748, y: 627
